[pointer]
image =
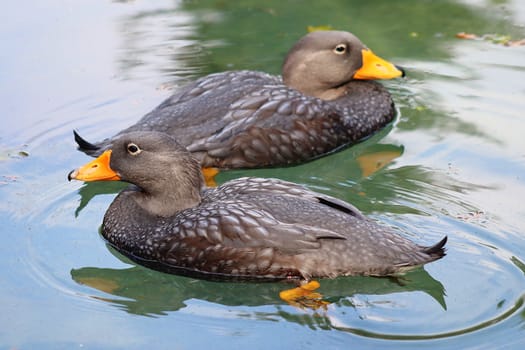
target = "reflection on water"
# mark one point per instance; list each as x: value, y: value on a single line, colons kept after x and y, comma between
x: 147, y: 292
x: 162, y: 42
x: 141, y: 291
x: 377, y: 158
x: 90, y: 190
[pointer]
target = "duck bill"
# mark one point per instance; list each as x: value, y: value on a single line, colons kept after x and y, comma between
x: 96, y: 170
x: 374, y: 67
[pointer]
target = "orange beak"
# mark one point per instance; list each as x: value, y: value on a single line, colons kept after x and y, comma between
x: 375, y: 67
x: 96, y: 170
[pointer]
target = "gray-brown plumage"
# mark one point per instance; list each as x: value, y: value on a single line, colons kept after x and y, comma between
x: 248, y: 228
x: 247, y: 119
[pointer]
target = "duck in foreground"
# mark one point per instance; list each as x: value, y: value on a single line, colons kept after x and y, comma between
x: 325, y: 100
x: 246, y: 229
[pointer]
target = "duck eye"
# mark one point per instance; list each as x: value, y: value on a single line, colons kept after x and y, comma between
x: 133, y: 149
x: 340, y: 49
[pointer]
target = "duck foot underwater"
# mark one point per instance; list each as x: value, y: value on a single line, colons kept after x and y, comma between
x: 305, y: 296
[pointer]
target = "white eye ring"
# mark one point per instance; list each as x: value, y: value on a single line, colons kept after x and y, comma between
x: 340, y: 49
x: 133, y: 149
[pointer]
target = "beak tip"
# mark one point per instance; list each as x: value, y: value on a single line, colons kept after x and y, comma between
x: 71, y: 175
x: 402, y: 70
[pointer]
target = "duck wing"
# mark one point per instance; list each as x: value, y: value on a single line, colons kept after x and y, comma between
x: 253, y: 185
x: 273, y: 125
x: 244, y: 119
x: 247, y: 119
x: 269, y: 227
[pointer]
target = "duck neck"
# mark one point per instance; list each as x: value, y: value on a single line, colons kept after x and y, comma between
x: 301, y: 80
x: 330, y: 94
x: 321, y: 91
x: 169, y: 195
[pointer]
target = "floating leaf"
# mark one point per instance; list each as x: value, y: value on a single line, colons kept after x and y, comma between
x: 6, y: 154
x: 515, y: 43
x: 318, y: 28
x: 505, y: 40
x: 467, y: 36
x: 499, y: 39
x: 7, y: 179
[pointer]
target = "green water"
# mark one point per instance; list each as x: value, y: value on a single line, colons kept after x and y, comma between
x: 453, y: 163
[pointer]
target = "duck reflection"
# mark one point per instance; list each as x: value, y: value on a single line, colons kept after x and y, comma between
x: 89, y: 190
x: 141, y: 291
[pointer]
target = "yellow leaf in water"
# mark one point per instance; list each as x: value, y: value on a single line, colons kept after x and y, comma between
x: 499, y: 39
x: 468, y: 36
x: 318, y: 28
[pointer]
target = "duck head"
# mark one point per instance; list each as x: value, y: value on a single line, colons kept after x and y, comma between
x: 321, y: 63
x: 168, y: 176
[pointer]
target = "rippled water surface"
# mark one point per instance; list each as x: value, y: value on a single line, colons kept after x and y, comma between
x: 453, y: 163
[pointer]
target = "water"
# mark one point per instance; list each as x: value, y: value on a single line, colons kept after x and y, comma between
x: 452, y: 164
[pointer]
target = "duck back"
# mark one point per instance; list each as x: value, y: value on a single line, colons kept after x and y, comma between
x: 245, y: 119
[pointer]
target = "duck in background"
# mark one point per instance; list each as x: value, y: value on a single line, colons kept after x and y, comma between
x: 326, y: 99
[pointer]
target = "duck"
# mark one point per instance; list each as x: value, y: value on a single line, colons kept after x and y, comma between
x: 325, y: 100
x: 247, y: 229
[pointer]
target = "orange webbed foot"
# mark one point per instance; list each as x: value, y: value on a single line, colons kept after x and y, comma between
x: 305, y: 296
x: 209, y: 176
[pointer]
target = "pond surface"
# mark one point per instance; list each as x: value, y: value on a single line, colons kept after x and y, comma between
x: 453, y: 163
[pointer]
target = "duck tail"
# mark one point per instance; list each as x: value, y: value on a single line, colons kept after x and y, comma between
x: 86, y: 146
x: 437, y: 250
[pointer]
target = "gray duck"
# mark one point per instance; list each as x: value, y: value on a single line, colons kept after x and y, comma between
x: 246, y: 229
x: 325, y: 100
